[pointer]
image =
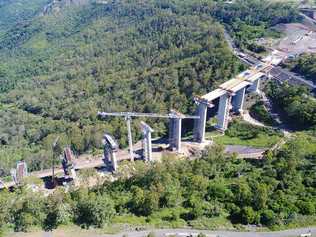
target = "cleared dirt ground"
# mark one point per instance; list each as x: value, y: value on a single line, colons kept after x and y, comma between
x: 298, y: 39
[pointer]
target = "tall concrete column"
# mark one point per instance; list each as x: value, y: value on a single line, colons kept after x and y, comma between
x: 238, y: 100
x: 107, y: 155
x: 255, y: 86
x: 223, y: 112
x: 114, y: 160
x: 147, y: 145
x: 110, y: 159
x: 200, y: 124
x: 178, y: 126
x: 110, y: 149
x: 175, y: 133
x: 129, y: 134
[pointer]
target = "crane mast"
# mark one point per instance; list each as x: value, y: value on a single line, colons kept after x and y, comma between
x: 173, y: 115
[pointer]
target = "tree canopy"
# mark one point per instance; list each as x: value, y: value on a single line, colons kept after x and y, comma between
x: 63, y: 64
x: 305, y: 65
x: 275, y: 192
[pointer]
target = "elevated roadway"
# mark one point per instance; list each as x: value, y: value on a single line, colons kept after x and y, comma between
x: 231, y: 94
x: 278, y: 73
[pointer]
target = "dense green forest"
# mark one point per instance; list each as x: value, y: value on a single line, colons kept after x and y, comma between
x: 296, y: 103
x: 138, y: 56
x: 259, y: 112
x: 250, y: 20
x: 60, y: 67
x: 304, y: 65
x: 214, y: 191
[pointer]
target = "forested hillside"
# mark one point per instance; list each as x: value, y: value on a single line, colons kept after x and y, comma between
x: 304, y: 65
x: 297, y: 104
x: 61, y: 68
x: 61, y: 65
x: 18, y: 12
x: 208, y: 193
x: 250, y: 20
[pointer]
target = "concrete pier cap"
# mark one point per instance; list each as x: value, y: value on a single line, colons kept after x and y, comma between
x: 231, y: 94
x: 200, y: 124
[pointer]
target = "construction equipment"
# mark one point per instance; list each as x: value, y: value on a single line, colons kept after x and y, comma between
x: 128, y: 117
x: 55, y: 149
x: 19, y: 173
x: 68, y: 163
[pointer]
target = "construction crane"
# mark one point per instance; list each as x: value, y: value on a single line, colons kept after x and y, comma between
x: 173, y: 114
x: 56, y: 152
x: 128, y: 117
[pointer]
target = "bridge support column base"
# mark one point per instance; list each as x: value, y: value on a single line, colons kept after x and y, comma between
x: 200, y: 124
x: 223, y: 112
x: 255, y: 87
x: 238, y: 101
x: 175, y: 134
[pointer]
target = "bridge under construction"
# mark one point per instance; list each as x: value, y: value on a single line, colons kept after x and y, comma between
x: 231, y: 94
x: 231, y: 97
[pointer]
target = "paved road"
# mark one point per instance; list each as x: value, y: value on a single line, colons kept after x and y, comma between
x: 187, y: 232
x: 309, y: 21
x: 284, y: 75
x: 245, y: 152
x: 280, y: 74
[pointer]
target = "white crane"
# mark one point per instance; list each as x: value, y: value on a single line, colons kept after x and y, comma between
x: 128, y: 117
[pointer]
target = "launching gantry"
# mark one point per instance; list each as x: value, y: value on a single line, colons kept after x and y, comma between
x: 175, y: 127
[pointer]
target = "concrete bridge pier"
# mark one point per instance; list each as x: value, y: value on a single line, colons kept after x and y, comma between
x: 255, y: 86
x: 175, y: 133
x: 107, y: 155
x: 114, y: 160
x: 199, y: 124
x: 110, y: 159
x: 238, y: 100
x: 110, y: 149
x: 147, y: 145
x: 223, y: 112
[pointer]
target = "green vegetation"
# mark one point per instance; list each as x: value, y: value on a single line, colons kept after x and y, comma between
x: 259, y: 112
x: 59, y: 68
x: 14, y: 12
x: 214, y: 191
x: 304, y: 65
x: 297, y: 104
x: 248, y: 20
x: 242, y: 133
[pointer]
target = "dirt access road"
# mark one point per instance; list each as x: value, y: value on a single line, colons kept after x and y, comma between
x: 172, y: 232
